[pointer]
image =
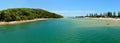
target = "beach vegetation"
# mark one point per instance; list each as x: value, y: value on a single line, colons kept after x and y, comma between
x: 105, y: 15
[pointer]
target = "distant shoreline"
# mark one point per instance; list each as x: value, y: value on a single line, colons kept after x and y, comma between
x: 22, y: 21
x: 116, y: 19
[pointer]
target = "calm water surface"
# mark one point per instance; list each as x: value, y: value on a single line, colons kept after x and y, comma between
x: 62, y: 31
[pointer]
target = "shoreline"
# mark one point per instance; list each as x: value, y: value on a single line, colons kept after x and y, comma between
x: 116, y: 19
x: 21, y: 21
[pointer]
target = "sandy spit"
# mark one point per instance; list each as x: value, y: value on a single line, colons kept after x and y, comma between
x: 22, y: 21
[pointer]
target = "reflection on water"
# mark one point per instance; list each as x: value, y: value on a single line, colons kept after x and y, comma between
x: 62, y: 31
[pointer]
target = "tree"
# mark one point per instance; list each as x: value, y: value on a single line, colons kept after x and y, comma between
x: 118, y: 14
x: 101, y: 15
x: 114, y: 14
x: 91, y: 15
x: 109, y: 14
x: 95, y: 15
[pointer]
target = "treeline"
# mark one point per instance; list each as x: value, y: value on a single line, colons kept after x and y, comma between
x: 108, y: 14
x: 16, y: 14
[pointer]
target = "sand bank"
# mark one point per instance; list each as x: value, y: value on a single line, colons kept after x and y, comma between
x: 115, y: 19
x: 22, y: 21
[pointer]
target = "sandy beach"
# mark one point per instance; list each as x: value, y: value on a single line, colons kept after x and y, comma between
x: 115, y: 19
x: 22, y: 21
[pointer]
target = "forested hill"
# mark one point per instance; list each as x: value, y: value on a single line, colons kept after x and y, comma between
x: 16, y: 14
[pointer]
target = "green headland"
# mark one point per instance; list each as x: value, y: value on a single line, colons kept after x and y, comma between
x: 17, y: 14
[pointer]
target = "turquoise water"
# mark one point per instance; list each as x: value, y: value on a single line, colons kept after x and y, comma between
x: 62, y: 31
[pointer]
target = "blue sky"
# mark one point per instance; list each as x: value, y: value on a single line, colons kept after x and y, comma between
x: 65, y: 7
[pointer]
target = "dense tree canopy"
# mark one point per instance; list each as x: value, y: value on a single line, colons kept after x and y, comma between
x: 108, y: 14
x: 16, y: 14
